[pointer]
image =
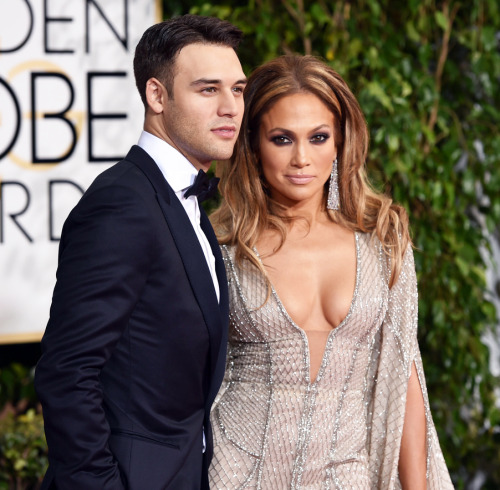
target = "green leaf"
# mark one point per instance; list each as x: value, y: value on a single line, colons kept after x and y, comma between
x: 411, y: 32
x: 376, y: 91
x: 441, y: 20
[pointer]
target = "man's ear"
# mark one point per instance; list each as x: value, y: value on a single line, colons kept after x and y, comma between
x: 155, y: 95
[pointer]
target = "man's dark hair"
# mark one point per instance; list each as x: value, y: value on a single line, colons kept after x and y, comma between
x: 159, y: 46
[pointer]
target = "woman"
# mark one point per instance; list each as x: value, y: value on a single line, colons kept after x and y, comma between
x: 324, y: 385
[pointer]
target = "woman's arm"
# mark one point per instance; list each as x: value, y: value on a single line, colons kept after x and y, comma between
x: 413, y: 453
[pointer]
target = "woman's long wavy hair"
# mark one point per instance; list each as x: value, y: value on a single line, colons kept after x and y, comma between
x: 247, y: 208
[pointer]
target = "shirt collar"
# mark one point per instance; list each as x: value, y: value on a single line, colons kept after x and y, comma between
x: 175, y: 167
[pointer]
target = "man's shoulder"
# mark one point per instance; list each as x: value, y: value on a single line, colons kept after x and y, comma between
x: 123, y: 170
x: 131, y: 179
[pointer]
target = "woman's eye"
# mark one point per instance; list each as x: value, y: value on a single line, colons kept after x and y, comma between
x: 319, y: 138
x: 280, y: 140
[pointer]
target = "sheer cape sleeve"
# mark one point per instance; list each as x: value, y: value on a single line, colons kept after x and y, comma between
x: 395, y: 349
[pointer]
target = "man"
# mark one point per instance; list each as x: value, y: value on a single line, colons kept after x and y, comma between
x: 134, y: 351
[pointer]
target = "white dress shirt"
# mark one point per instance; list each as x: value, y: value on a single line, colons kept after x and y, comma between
x: 180, y: 174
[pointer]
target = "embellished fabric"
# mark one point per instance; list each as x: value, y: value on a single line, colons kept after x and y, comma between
x: 333, y: 201
x: 275, y: 429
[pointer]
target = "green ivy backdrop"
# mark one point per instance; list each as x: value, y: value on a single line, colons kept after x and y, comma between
x: 427, y: 74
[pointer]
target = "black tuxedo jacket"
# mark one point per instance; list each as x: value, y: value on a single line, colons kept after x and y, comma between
x: 134, y: 351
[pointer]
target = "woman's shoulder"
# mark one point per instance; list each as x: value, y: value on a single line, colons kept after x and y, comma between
x: 228, y: 251
x: 229, y: 257
x: 238, y: 266
x: 372, y: 254
x: 369, y: 243
x: 372, y: 249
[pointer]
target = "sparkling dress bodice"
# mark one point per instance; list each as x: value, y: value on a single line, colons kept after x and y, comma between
x: 275, y: 429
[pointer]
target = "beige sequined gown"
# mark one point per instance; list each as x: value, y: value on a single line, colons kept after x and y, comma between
x: 274, y: 429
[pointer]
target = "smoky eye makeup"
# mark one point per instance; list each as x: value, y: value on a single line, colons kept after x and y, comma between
x: 319, y: 138
x: 280, y: 139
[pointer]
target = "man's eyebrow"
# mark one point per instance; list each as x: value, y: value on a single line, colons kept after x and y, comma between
x: 207, y: 81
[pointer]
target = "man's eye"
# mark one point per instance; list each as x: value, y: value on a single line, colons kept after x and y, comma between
x: 281, y: 140
x: 209, y: 90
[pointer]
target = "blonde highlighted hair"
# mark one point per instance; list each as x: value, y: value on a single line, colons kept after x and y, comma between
x: 247, y: 209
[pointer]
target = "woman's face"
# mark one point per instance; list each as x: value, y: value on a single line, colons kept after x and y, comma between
x: 297, y: 149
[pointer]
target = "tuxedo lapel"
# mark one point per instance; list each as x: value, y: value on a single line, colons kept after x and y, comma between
x: 219, y: 262
x: 191, y: 254
x: 219, y: 359
x: 194, y: 262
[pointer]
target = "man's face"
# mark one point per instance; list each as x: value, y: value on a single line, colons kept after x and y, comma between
x: 202, y: 116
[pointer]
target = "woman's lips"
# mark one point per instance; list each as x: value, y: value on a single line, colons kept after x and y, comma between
x: 300, y: 179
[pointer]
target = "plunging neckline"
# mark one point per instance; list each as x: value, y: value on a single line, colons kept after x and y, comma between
x: 330, y: 333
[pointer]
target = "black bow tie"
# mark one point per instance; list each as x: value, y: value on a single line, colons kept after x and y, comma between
x: 202, y: 187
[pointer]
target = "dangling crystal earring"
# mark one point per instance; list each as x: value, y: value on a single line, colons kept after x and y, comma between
x: 333, y: 201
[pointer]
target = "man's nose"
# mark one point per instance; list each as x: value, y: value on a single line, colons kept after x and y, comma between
x: 229, y: 103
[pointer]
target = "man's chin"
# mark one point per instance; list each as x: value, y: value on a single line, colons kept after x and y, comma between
x: 224, y: 153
